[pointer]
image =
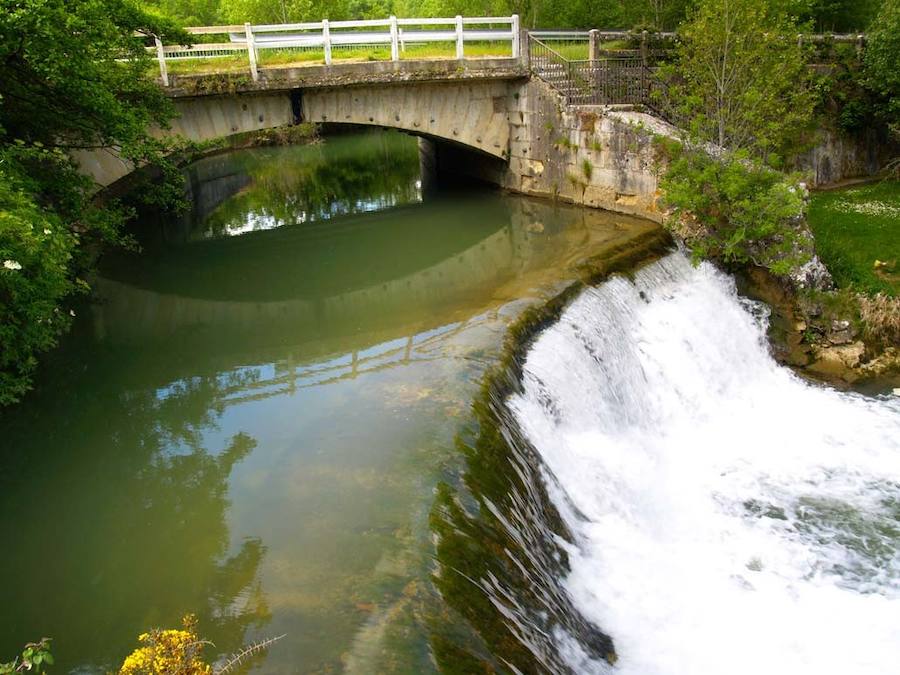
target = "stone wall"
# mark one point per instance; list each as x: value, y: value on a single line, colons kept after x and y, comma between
x: 837, y: 156
x: 599, y: 157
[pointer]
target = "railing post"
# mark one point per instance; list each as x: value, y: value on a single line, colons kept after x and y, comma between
x: 526, y: 50
x: 644, y: 48
x: 326, y: 41
x: 593, y: 46
x: 161, y: 57
x: 395, y: 47
x: 251, y: 51
x: 459, y: 37
x: 516, y: 36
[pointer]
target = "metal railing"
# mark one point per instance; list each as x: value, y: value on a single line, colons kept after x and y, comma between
x: 328, y: 37
x: 605, y: 79
x: 577, y: 65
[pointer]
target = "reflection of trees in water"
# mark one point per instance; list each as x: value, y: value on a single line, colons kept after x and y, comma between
x: 189, y: 494
x: 133, y: 532
x: 295, y: 185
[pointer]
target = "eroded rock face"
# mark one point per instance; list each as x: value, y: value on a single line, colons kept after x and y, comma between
x: 812, y: 275
x: 849, y: 355
x: 813, y: 341
x: 842, y: 332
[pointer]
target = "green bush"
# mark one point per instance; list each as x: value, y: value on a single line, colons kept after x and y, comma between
x: 35, y: 251
x: 34, y: 657
x: 735, y: 210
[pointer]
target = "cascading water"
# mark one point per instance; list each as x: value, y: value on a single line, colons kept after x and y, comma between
x: 726, y: 516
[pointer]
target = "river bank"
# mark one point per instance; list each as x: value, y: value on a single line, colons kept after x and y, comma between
x: 847, y: 331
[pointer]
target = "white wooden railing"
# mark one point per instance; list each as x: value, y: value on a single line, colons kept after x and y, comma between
x: 328, y: 36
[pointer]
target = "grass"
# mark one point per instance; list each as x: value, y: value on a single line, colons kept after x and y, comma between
x: 269, y: 58
x: 577, y: 50
x: 857, y: 234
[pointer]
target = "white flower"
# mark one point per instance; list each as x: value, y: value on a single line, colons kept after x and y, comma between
x: 872, y: 208
x: 71, y: 312
x: 47, y: 230
x: 12, y: 265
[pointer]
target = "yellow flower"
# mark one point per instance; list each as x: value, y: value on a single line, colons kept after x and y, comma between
x: 167, y: 652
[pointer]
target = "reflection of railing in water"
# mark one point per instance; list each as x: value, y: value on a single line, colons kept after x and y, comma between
x: 351, y: 365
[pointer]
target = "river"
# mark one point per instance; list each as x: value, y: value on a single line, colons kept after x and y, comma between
x: 332, y: 389
x: 251, y: 415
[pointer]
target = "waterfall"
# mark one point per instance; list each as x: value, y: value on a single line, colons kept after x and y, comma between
x: 725, y: 515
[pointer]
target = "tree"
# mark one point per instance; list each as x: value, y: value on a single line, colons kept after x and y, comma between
x: 740, y: 79
x: 831, y: 15
x: 882, y: 59
x: 882, y: 70
x: 73, y: 76
x: 189, y: 12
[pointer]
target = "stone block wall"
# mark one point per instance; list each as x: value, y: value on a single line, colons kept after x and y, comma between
x: 594, y: 156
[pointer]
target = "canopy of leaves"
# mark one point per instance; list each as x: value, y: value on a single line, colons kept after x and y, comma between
x: 534, y: 13
x: 882, y: 59
x: 72, y: 74
x: 72, y: 77
x: 827, y: 16
x: 822, y: 15
x: 740, y: 80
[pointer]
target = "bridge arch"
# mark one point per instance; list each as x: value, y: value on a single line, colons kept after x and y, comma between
x: 468, y: 112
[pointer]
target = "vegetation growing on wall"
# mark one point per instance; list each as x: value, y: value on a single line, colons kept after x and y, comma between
x: 882, y: 68
x: 861, y: 90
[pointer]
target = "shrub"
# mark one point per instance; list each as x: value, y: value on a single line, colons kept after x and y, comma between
x: 881, y: 316
x: 739, y: 79
x: 35, y: 250
x: 33, y: 658
x: 168, y: 651
x: 735, y: 210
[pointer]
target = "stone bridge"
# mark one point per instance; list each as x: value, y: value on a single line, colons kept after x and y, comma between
x: 523, y: 123
x: 485, y: 118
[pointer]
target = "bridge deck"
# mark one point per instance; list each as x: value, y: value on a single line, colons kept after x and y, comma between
x: 348, y: 74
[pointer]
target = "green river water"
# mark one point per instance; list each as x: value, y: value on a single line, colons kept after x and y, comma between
x: 250, y: 417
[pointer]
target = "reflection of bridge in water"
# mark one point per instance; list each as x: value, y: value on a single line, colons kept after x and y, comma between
x: 419, y: 348
x: 354, y: 295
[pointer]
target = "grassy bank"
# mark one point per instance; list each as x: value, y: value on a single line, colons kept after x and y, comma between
x: 857, y: 232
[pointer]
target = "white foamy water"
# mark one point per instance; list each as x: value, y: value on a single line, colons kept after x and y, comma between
x: 730, y: 518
